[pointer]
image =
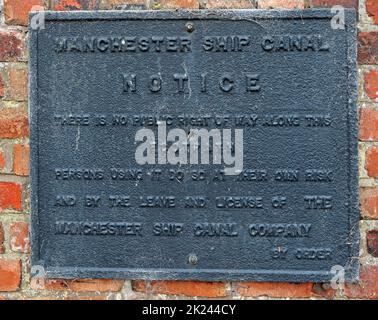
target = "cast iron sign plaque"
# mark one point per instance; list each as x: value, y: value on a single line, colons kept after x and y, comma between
x: 283, y: 80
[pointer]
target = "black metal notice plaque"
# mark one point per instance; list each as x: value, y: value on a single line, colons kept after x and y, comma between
x: 117, y: 97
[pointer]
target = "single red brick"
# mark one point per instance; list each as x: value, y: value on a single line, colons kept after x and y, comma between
x: 21, y: 159
x: 10, y: 274
x: 186, y: 288
x: 371, y: 162
x: 100, y: 285
x: 228, y: 4
x: 372, y: 242
x: 79, y: 285
x: 367, y: 288
x: 371, y: 84
x: 11, y: 45
x: 368, y: 124
x: 66, y: 5
x: 372, y: 9
x: 17, y: 11
x: 369, y: 202
x: 368, y: 47
x: 18, y: 84
x: 10, y: 196
x: 2, y: 238
x: 284, y: 4
x: 331, y: 3
x: 13, y: 123
x: 19, y: 236
x: 274, y: 289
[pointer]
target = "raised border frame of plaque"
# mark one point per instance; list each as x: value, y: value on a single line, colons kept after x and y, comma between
x: 198, y: 274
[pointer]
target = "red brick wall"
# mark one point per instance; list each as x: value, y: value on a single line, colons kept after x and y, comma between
x: 15, y: 282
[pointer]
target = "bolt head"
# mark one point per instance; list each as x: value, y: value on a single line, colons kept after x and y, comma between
x: 193, y: 259
x: 189, y: 27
